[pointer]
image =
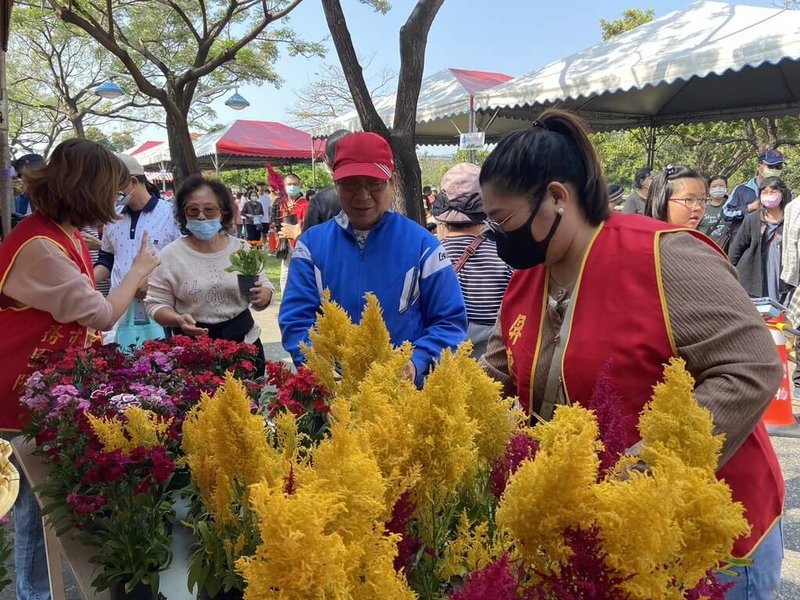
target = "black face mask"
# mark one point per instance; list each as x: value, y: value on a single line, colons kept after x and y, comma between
x: 519, y: 250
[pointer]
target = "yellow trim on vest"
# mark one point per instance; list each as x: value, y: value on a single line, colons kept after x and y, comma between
x: 5, y: 273
x: 542, y: 317
x: 761, y: 539
x: 574, y: 300
x: 662, y: 296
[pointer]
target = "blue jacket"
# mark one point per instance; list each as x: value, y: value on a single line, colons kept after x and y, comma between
x: 744, y: 194
x: 401, y: 263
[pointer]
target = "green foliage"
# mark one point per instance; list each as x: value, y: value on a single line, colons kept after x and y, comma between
x: 118, y: 141
x: 631, y: 18
x: 248, y: 261
x: 5, y: 554
x: 247, y: 178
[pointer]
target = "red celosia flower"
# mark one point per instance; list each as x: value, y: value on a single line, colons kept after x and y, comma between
x: 709, y: 588
x: 163, y: 466
x: 408, y: 546
x: 290, y: 484
x: 613, y: 426
x: 585, y: 576
x: 520, y: 447
x: 494, y: 582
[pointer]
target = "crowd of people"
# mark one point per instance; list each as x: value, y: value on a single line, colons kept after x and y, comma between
x: 524, y: 260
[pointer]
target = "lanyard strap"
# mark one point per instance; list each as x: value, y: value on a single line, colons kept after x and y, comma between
x: 555, y: 375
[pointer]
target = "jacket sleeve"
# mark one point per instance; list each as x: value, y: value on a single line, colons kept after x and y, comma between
x: 313, y: 213
x: 789, y: 254
x: 443, y: 310
x: 733, y: 209
x: 740, y: 243
x: 300, y: 302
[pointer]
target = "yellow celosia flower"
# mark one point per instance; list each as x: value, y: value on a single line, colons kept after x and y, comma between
x: 367, y: 344
x: 673, y: 423
x: 495, y: 417
x: 303, y: 555
x: 136, y: 428
x: 471, y: 549
x: 332, y: 330
x: 555, y: 490
x: 226, y: 449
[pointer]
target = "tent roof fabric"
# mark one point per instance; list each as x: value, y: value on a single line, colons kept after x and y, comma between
x: 262, y: 139
x: 709, y: 60
x: 145, y: 146
x: 442, y: 95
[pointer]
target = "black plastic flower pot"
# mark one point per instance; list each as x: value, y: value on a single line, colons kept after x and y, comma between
x: 246, y: 282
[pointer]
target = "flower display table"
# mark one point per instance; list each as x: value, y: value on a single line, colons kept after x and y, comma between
x: 76, y: 555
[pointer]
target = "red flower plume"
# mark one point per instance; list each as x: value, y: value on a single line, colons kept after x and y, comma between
x: 275, y: 180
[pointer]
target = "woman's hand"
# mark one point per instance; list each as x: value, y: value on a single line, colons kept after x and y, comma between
x: 188, y: 325
x: 147, y: 260
x: 260, y: 296
x: 289, y: 231
x: 92, y: 242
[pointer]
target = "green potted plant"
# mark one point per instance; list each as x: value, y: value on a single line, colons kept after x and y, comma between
x: 248, y: 264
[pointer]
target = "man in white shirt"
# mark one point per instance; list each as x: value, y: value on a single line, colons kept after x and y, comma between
x: 139, y: 211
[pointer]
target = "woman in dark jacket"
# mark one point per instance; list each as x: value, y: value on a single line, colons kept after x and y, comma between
x: 756, y: 249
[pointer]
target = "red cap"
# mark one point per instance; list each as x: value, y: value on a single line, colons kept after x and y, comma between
x: 363, y: 154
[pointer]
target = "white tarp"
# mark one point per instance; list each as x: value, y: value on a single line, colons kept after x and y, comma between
x: 443, y: 95
x: 710, y: 61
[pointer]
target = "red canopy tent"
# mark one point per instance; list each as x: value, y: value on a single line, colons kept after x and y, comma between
x: 245, y: 144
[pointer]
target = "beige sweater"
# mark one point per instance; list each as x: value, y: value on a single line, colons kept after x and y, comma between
x: 717, y: 331
x: 45, y: 278
x: 195, y: 283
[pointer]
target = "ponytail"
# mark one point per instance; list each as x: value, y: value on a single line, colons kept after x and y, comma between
x: 555, y: 148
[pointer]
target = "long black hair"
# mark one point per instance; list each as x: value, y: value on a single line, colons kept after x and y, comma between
x: 555, y: 148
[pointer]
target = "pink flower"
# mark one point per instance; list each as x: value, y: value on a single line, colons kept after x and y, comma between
x: 521, y: 447
x: 494, y: 582
x: 709, y: 588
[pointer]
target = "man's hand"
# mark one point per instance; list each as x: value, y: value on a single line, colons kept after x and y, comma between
x: 754, y: 205
x: 410, y: 371
x: 92, y: 242
x: 290, y: 231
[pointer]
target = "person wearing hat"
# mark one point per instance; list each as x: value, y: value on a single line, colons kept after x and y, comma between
x: 745, y: 197
x: 615, y: 200
x: 22, y: 201
x: 368, y: 248
x: 482, y: 275
x: 139, y: 211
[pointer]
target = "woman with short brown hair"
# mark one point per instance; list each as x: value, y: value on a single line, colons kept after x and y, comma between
x: 48, y: 300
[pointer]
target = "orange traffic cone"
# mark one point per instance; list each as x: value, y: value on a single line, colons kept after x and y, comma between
x: 779, y: 418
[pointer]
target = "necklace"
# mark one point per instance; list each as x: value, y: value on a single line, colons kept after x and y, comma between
x: 560, y: 292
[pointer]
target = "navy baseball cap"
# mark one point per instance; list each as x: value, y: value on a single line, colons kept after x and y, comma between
x: 772, y: 157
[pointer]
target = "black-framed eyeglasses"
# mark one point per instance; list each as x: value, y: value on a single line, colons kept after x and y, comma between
x: 691, y: 203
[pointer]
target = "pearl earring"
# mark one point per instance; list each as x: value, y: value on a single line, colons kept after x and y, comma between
x: 560, y: 210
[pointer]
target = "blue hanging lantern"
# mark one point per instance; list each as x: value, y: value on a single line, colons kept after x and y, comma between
x: 237, y: 102
x: 108, y: 89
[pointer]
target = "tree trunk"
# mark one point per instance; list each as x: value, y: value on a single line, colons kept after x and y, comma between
x: 409, y: 175
x: 181, y: 150
x: 78, y: 128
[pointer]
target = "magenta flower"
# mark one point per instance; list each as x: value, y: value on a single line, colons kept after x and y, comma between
x: 494, y: 582
x: 521, y: 447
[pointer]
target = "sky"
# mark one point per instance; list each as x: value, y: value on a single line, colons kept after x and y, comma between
x: 507, y: 36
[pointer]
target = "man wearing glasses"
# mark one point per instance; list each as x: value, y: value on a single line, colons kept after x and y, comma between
x: 370, y: 248
x: 745, y: 197
x: 139, y: 211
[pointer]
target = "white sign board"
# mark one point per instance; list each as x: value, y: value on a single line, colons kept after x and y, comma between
x: 472, y: 141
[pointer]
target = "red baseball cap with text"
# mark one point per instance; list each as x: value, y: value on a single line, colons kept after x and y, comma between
x: 363, y: 154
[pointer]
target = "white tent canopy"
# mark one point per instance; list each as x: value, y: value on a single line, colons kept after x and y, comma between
x: 711, y: 61
x: 442, y: 109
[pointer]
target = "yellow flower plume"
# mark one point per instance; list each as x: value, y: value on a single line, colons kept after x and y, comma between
x: 226, y: 449
x: 136, y: 428
x: 555, y: 490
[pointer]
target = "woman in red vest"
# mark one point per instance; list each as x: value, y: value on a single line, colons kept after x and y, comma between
x: 593, y: 289
x: 48, y: 301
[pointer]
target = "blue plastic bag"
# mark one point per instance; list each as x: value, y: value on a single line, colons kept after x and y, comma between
x: 136, y: 328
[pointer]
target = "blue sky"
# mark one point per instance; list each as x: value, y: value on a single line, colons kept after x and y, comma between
x: 508, y: 36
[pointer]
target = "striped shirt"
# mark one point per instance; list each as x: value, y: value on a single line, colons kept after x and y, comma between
x: 483, y: 278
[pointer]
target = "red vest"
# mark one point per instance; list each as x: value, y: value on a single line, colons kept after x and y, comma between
x: 620, y: 314
x: 28, y: 332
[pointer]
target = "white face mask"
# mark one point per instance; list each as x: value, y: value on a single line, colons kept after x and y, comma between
x: 718, y: 191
